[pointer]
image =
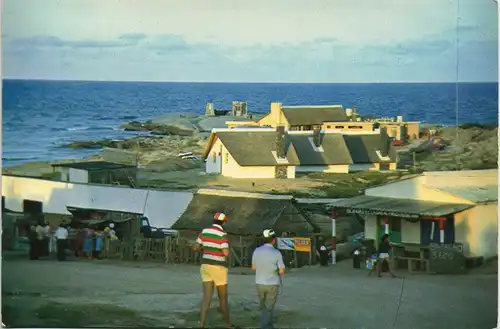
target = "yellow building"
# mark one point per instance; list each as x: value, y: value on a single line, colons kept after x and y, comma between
x: 332, y: 118
x: 441, y: 207
x: 305, y: 117
x: 402, y: 130
x: 359, y: 126
x: 270, y: 153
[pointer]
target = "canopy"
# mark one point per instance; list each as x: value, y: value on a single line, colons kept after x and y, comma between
x: 406, y: 208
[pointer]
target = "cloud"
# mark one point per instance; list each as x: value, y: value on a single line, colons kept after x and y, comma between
x: 47, y: 41
x: 137, y: 56
x: 133, y: 36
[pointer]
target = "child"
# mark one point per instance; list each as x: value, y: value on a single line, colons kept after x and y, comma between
x: 371, y: 264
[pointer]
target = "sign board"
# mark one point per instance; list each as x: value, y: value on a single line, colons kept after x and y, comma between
x: 446, y: 258
x: 297, y: 244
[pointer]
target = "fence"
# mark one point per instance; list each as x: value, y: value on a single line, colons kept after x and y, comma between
x: 179, y: 250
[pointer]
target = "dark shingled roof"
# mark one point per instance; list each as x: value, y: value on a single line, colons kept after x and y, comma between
x: 313, y: 115
x: 400, y: 207
x: 363, y: 148
x: 254, y: 148
x: 246, y: 215
x: 334, y: 150
x: 94, y: 165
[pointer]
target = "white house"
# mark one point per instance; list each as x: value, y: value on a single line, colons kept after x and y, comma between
x: 443, y: 207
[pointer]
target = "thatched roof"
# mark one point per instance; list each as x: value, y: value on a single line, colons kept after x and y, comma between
x: 337, y: 148
x: 247, y: 215
x: 313, y: 115
x: 241, y: 144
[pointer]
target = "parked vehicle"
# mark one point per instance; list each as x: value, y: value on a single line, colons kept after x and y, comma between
x: 397, y: 142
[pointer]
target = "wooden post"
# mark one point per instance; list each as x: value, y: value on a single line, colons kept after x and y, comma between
x: 311, y: 251
x: 167, y: 249
x: 441, y: 229
x: 295, y: 259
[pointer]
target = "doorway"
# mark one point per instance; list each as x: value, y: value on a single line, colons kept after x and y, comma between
x: 394, y: 228
x: 32, y: 207
x: 429, y: 231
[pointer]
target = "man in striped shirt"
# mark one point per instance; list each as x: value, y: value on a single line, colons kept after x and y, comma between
x: 214, y: 243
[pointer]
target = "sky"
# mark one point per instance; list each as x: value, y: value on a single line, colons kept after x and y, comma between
x: 251, y: 41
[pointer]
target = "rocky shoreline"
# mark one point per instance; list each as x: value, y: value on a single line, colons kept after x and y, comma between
x: 161, y: 167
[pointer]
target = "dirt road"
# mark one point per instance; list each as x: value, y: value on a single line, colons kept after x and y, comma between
x: 107, y: 293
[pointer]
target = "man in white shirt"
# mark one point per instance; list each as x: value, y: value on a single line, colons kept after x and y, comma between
x: 267, y: 262
x: 61, y: 236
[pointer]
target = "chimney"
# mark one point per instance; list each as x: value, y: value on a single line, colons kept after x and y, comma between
x: 317, y: 137
x: 385, y: 142
x: 276, y: 113
x: 209, y: 110
x: 355, y: 113
x: 280, y: 142
x: 348, y: 114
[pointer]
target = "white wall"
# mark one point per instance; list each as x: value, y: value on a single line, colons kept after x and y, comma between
x: 371, y: 227
x: 477, y: 229
x: 362, y: 167
x: 210, y: 165
x: 410, y: 232
x: 413, y: 188
x: 290, y: 172
x: 342, y: 169
x: 78, y: 175
x: 64, y: 171
x: 162, y: 208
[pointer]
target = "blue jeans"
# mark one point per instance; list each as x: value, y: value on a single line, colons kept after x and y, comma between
x: 268, y: 294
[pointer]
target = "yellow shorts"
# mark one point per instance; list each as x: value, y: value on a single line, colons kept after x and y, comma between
x: 214, y: 273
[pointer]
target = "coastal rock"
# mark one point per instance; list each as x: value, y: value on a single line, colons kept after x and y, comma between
x: 94, y: 144
x: 159, y: 129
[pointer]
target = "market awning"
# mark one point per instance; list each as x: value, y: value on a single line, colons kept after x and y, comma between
x: 406, y: 208
x: 97, y: 216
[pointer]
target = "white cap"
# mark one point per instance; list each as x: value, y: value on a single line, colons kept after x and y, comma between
x: 111, y: 225
x: 268, y: 233
x: 220, y: 216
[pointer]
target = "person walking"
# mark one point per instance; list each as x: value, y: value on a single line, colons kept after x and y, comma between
x: 383, y: 255
x: 61, y: 236
x: 267, y: 262
x: 323, y: 253
x: 214, y: 243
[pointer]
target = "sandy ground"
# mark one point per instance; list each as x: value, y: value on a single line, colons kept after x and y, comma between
x: 107, y: 293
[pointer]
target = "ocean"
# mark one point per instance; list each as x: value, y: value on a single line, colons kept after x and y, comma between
x: 40, y: 116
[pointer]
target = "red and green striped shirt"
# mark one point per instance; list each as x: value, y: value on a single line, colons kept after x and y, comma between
x: 214, y: 240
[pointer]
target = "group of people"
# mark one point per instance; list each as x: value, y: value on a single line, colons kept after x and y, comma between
x: 267, y: 262
x: 43, y: 242
x: 87, y: 242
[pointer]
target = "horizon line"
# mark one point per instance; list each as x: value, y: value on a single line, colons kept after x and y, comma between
x: 247, y: 82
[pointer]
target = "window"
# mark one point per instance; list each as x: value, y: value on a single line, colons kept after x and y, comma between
x: 339, y: 127
x: 214, y: 157
x: 328, y: 127
x: 355, y: 127
x: 32, y: 207
x: 226, y: 157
